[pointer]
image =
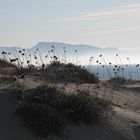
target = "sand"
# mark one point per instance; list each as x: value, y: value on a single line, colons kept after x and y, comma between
x: 10, y: 126
x: 123, y: 122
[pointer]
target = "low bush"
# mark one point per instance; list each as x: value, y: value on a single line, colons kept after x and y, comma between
x: 47, y: 110
x: 59, y: 72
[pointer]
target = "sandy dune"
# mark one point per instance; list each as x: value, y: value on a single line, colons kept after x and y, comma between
x: 123, y: 123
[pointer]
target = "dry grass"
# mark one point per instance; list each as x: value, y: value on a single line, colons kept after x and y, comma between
x: 46, y: 109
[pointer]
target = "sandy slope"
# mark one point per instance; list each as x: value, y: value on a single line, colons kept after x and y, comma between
x: 127, y: 111
x: 123, y: 123
x: 10, y: 126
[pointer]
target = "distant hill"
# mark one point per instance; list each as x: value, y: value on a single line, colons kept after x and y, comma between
x: 73, y: 52
x: 46, y: 46
x: 82, y: 49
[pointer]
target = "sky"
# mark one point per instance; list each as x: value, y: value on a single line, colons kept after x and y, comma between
x: 102, y: 23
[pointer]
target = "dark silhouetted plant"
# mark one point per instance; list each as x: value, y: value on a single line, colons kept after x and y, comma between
x: 46, y: 109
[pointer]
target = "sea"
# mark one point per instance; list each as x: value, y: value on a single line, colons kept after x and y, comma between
x: 106, y: 72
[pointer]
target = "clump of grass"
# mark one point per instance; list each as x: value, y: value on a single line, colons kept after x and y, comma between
x: 118, y: 82
x: 8, y: 71
x: 60, y: 72
x: 46, y: 110
x: 17, y: 85
x: 7, y: 79
x: 7, y: 68
x: 5, y: 64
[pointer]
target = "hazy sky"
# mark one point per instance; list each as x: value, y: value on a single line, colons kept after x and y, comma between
x: 103, y: 23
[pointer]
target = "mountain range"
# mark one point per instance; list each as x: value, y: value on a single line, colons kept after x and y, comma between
x: 79, y: 51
